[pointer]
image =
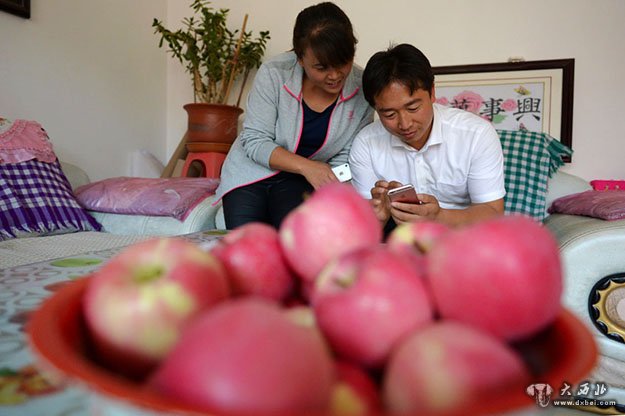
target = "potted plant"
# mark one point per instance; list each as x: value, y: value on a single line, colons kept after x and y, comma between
x: 215, y: 57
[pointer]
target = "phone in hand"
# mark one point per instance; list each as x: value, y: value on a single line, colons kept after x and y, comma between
x: 342, y: 172
x: 404, y: 193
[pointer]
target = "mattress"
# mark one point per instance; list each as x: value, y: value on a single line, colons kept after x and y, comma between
x: 21, y: 251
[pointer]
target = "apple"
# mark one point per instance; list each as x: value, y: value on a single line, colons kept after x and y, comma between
x: 502, y: 275
x: 419, y: 236
x: 137, y: 304
x: 247, y: 356
x: 355, y: 391
x: 334, y: 220
x: 448, y: 365
x: 252, y: 256
x: 368, y: 299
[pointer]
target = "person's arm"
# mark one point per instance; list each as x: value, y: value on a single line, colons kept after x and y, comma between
x: 361, y: 164
x: 316, y: 173
x: 258, y: 136
x: 430, y: 210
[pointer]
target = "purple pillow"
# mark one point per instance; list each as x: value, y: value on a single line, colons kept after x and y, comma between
x: 171, y: 197
x: 607, y: 205
x: 37, y: 199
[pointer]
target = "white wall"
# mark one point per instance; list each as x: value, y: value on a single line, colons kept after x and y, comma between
x: 460, y: 32
x: 91, y: 73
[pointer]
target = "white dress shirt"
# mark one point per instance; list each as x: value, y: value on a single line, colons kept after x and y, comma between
x: 461, y: 162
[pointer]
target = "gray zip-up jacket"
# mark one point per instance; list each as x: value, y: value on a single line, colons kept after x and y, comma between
x: 275, y: 117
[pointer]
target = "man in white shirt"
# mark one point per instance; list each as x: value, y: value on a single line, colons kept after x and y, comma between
x: 452, y: 157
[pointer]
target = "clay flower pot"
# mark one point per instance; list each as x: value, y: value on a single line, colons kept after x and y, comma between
x: 212, y: 123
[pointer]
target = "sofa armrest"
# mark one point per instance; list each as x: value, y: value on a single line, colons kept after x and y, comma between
x: 590, y: 249
x: 75, y: 175
x: 562, y: 184
x: 201, y: 218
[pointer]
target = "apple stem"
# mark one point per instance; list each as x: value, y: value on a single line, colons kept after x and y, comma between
x: 345, y: 280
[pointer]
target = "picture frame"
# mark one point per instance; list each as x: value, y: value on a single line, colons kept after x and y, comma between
x: 17, y: 7
x: 532, y: 95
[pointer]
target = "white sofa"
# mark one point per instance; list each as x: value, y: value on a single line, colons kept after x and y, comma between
x: 202, y: 217
x: 118, y: 231
x: 592, y: 250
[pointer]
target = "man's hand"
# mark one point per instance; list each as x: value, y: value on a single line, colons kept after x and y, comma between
x: 408, y: 212
x: 379, y: 199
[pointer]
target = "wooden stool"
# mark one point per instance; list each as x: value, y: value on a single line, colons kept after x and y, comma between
x: 210, y: 156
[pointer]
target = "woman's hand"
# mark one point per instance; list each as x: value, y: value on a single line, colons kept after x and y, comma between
x: 318, y: 173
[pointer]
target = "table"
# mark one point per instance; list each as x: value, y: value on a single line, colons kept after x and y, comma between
x: 23, y: 390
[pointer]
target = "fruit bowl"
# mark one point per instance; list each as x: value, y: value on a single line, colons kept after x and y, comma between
x: 57, y: 336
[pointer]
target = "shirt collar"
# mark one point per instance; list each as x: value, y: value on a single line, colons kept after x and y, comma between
x: 436, y: 134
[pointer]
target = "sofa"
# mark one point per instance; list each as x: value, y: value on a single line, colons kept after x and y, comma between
x: 118, y: 230
x: 593, y: 260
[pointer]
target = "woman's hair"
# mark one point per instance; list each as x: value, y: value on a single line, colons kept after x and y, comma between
x: 327, y: 30
x: 404, y: 64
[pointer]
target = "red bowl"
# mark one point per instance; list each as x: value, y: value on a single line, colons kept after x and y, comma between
x: 566, y: 351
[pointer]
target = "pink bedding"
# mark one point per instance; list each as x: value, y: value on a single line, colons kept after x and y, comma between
x: 172, y: 197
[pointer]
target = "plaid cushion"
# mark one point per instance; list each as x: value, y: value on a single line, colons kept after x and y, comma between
x: 36, y: 199
x: 530, y: 158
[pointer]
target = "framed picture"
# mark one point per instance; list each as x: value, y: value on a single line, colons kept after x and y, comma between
x: 17, y: 7
x: 532, y: 95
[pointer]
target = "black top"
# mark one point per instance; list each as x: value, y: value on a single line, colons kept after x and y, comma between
x: 315, y: 129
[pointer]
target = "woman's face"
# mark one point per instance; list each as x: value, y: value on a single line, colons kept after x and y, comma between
x: 329, y: 79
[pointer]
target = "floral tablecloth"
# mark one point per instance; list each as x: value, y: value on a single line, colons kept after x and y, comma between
x: 23, y: 389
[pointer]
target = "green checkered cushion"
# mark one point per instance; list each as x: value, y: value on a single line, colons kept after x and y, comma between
x: 530, y: 158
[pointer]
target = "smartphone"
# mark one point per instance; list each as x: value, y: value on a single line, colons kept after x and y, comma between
x: 404, y: 193
x: 342, y: 172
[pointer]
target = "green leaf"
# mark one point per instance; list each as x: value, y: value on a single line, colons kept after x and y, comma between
x: 76, y: 262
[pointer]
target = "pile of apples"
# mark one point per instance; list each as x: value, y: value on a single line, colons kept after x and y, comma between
x: 321, y: 316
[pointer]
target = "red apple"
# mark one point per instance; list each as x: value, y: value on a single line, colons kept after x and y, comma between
x: 136, y: 305
x: 419, y: 236
x: 247, y: 356
x: 446, y: 366
x: 368, y: 299
x: 502, y: 275
x: 334, y: 220
x: 355, y: 391
x: 253, y: 258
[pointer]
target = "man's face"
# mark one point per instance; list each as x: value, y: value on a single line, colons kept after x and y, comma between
x: 407, y: 116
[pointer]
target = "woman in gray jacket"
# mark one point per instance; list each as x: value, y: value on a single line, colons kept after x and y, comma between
x: 303, y: 111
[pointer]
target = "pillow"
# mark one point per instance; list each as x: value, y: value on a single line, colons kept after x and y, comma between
x: 606, y: 205
x: 530, y: 158
x: 172, y: 197
x: 36, y: 199
x: 604, y: 185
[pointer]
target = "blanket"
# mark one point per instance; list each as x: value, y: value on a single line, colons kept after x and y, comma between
x: 530, y: 159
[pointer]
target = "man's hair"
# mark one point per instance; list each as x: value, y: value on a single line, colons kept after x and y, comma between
x: 404, y: 64
x: 327, y: 30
